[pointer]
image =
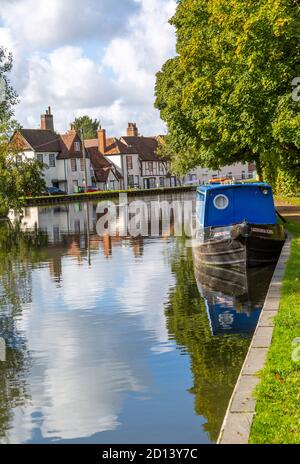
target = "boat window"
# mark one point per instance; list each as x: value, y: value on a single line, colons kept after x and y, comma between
x: 200, y: 207
x: 221, y: 202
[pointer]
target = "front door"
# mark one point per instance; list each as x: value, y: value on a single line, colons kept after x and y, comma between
x: 146, y: 184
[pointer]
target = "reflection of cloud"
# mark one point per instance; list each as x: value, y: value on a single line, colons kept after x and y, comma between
x: 141, y: 284
x: 88, y: 343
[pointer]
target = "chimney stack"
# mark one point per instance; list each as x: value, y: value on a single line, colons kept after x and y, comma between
x: 132, y: 130
x: 102, y: 140
x: 47, y: 120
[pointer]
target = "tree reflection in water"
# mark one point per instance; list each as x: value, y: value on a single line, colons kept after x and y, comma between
x: 19, y: 251
x: 215, y: 360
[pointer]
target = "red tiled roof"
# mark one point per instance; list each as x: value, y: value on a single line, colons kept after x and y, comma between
x: 41, y: 140
x: 67, y: 144
x: 101, y: 165
x: 145, y: 147
x: 114, y: 146
x: 49, y: 141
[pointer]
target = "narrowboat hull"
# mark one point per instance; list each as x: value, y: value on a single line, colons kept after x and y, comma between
x: 240, y: 245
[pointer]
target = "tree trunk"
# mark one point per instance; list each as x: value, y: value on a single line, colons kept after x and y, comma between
x: 259, y: 170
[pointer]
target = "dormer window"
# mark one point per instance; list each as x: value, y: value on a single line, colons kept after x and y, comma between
x: 77, y: 146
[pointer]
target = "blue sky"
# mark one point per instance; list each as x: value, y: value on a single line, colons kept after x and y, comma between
x: 99, y: 58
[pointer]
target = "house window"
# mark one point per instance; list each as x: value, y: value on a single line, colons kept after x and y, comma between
x: 152, y: 182
x: 73, y: 165
x: 161, y: 181
x: 150, y: 167
x: 52, y: 161
x: 77, y: 146
x: 18, y: 159
x: 193, y: 177
x: 131, y: 181
x: 81, y: 164
x: 230, y: 176
x: 40, y: 158
x: 129, y: 162
x: 243, y: 174
x: 161, y: 167
x: 137, y: 181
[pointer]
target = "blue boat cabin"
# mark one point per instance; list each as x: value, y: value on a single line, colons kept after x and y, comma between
x: 221, y: 205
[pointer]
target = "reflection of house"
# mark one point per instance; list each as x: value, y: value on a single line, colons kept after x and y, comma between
x: 61, y: 155
x: 136, y: 158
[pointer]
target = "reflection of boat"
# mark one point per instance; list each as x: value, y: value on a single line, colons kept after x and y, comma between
x: 233, y: 297
x: 238, y: 225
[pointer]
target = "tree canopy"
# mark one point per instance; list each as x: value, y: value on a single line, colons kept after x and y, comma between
x: 18, y: 177
x: 227, y: 95
x: 90, y: 126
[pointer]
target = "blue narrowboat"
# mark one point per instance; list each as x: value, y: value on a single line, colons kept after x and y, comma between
x: 237, y: 225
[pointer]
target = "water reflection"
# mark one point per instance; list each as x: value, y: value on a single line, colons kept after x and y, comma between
x: 109, y: 338
x: 233, y: 297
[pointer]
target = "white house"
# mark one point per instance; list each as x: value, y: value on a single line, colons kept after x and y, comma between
x: 136, y: 159
x: 238, y: 171
x: 61, y: 155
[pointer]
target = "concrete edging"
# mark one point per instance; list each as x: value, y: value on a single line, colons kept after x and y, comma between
x: 242, y: 405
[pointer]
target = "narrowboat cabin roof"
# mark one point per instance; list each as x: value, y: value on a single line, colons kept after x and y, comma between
x: 220, y: 205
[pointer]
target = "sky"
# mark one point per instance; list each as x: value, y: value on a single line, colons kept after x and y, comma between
x: 97, y: 57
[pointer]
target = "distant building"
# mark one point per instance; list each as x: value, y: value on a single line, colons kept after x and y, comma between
x: 130, y: 161
x: 62, y: 157
x: 136, y: 159
x: 238, y: 171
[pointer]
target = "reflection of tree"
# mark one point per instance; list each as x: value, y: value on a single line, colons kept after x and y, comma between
x: 215, y: 361
x: 18, y: 251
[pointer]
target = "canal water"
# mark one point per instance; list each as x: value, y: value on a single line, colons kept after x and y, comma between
x: 116, y: 339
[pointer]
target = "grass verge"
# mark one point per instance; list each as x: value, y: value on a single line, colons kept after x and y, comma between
x: 278, y: 395
x: 294, y: 201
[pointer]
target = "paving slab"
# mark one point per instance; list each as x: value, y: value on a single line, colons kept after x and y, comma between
x: 255, y: 361
x: 267, y: 319
x: 262, y: 337
x: 243, y: 398
x: 237, y: 429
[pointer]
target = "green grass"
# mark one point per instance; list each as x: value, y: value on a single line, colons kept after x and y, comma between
x: 295, y: 201
x: 278, y: 406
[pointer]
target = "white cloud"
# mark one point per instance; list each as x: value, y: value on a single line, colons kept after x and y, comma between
x: 98, y: 59
x: 49, y: 23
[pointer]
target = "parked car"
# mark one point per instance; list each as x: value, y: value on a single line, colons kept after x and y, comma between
x: 55, y: 191
x: 89, y: 189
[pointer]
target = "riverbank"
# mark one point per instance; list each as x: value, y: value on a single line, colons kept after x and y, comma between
x: 277, y: 418
x: 77, y: 197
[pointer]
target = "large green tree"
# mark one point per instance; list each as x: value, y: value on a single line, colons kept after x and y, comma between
x: 90, y: 126
x: 18, y: 177
x: 227, y: 95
